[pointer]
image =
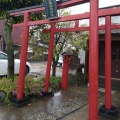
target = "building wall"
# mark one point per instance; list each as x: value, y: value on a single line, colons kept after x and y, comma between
x: 2, y: 40
x: 115, y: 66
x: 16, y: 36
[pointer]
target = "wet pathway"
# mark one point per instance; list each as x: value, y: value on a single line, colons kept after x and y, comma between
x: 52, y: 108
x: 64, y: 105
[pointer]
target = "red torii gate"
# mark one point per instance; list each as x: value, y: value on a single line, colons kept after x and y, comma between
x: 93, y: 48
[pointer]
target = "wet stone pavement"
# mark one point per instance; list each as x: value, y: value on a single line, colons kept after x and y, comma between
x: 39, y: 69
x: 64, y: 105
x: 49, y: 108
x: 71, y: 104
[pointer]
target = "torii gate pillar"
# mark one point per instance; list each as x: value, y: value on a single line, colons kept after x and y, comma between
x: 50, y: 51
x: 93, y: 61
x: 21, y: 99
x: 23, y: 57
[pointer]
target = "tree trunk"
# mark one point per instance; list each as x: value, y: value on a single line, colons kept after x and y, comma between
x: 10, y: 51
x: 54, y: 65
x: 53, y: 70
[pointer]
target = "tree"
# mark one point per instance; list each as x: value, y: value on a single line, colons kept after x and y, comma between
x: 68, y: 41
x: 5, y: 6
x: 38, y: 41
x: 10, y: 51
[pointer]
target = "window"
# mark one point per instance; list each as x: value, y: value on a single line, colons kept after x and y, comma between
x: 3, y: 56
x: 114, y: 57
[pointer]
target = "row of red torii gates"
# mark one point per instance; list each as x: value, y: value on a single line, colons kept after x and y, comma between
x: 93, y: 15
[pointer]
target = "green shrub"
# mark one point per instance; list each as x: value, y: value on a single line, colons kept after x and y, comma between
x: 6, y: 85
x: 34, y: 87
x: 55, y: 82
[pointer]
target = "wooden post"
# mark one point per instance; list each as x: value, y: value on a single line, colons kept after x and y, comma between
x: 23, y: 57
x: 108, y: 62
x: 50, y: 51
x: 93, y: 61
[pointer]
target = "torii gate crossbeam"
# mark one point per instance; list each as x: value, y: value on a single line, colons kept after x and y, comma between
x: 101, y: 13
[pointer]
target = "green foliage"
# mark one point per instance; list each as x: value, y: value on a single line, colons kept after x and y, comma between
x: 7, y: 5
x: 38, y: 42
x: 36, y: 49
x: 32, y: 86
x: 70, y: 41
x: 10, y: 87
x: 6, y: 85
x: 55, y: 82
x: 13, y: 4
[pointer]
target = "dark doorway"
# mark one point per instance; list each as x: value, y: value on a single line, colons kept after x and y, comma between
x: 115, y: 64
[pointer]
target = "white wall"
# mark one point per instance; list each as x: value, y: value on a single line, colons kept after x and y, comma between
x: 82, y: 57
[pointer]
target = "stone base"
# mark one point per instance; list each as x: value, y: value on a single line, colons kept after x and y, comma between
x: 2, y: 96
x: 18, y: 103
x: 112, y: 113
x: 49, y: 93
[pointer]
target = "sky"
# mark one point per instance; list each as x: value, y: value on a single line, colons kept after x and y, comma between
x: 85, y: 7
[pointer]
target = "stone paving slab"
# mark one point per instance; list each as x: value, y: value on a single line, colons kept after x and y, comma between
x: 80, y: 101
x: 54, y: 112
x: 40, y: 116
x: 65, y: 108
x: 100, y: 94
